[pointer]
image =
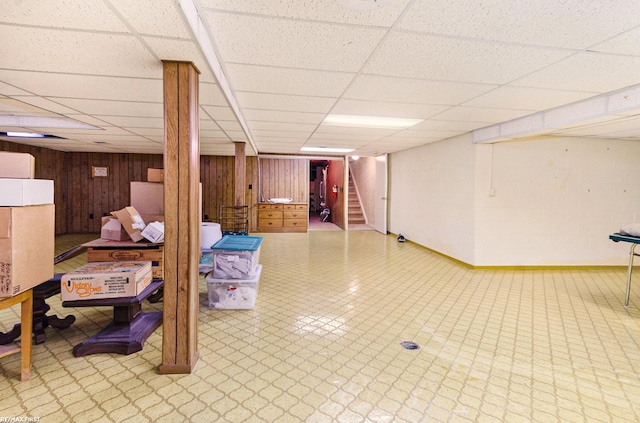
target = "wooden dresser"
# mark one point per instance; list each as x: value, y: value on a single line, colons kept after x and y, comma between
x: 275, y: 217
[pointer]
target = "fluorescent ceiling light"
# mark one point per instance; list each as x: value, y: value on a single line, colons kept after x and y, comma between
x: 24, y: 135
x: 369, y: 121
x: 327, y: 149
x: 14, y: 134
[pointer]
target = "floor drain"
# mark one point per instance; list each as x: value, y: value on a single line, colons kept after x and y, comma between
x: 408, y: 345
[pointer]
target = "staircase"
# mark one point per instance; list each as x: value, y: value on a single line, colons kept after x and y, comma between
x: 355, y: 216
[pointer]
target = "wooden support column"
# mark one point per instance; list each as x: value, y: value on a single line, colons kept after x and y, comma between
x: 241, y: 175
x: 181, y: 217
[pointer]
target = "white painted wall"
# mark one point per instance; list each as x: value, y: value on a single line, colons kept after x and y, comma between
x: 556, y: 200
x: 431, y: 199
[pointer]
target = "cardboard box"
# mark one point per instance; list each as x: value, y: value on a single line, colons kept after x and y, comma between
x: 155, y: 175
x: 17, y: 165
x: 106, y: 280
x: 103, y: 250
x: 25, y: 192
x: 154, y: 232
x: 147, y: 197
x: 152, y: 217
x: 131, y: 221
x: 26, y: 247
x: 112, y: 229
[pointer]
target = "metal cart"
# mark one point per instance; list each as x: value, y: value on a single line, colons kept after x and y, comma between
x: 234, y: 220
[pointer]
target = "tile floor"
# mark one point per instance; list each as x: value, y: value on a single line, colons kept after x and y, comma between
x: 323, y: 345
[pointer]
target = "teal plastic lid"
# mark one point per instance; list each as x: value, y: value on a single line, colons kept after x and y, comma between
x: 238, y: 243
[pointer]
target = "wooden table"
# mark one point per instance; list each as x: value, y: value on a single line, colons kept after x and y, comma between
x: 634, y: 241
x: 25, y: 299
x: 129, y: 328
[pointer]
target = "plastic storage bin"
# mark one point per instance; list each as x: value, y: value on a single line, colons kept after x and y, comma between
x: 236, y: 256
x: 233, y: 294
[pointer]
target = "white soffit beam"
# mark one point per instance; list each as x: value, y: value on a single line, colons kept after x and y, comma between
x: 193, y: 17
x: 613, y: 104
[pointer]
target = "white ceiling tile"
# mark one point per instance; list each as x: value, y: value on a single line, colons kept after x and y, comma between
x: 626, y: 43
x: 148, y: 132
x: 329, y: 11
x: 237, y: 135
x: 153, y: 17
x: 347, y: 130
x: 267, y: 141
x: 526, y: 98
x: 594, y: 72
x: 78, y: 14
x: 181, y: 50
x: 415, y: 91
x: 444, y: 125
x: 414, y: 55
x: 17, y: 107
x: 211, y: 133
x: 542, y: 22
x: 219, y: 112
x: 287, y: 81
x: 280, y: 116
x: 208, y: 124
x: 480, y: 114
x: 107, y: 131
x: 9, y: 90
x: 320, y: 142
x: 86, y: 86
x: 296, y: 127
x: 382, y: 109
x: 77, y: 52
x: 135, y: 122
x: 91, y: 120
x: 292, y: 43
x: 112, y: 108
x: 229, y: 125
x: 426, y: 134
x: 46, y: 105
x: 296, y: 103
x: 211, y: 95
x: 259, y: 133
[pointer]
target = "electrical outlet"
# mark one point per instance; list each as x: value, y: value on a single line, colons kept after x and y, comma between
x: 492, y: 192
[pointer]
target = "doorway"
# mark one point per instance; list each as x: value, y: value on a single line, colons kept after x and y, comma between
x: 326, y: 189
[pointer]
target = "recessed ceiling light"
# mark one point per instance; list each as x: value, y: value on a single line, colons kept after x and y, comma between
x: 369, y: 121
x: 364, y: 4
x: 327, y: 149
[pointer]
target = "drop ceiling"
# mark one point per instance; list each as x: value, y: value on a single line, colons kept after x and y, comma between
x: 271, y: 71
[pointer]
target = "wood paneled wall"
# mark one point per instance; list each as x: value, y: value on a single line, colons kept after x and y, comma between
x: 88, y: 198
x: 218, y: 186
x: 285, y: 178
x: 78, y: 196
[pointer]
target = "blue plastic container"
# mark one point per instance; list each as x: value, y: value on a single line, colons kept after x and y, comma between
x: 236, y: 256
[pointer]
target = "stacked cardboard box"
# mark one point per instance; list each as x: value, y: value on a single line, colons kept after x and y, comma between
x: 27, y: 225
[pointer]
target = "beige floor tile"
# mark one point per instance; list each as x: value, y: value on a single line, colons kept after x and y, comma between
x: 322, y: 344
